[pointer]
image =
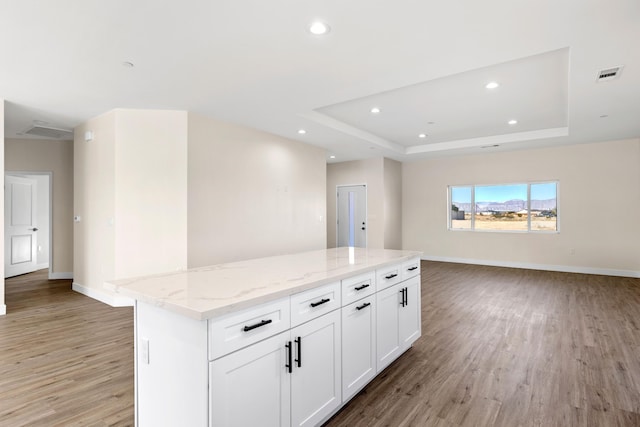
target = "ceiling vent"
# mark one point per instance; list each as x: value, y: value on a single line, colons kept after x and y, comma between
x: 609, y: 74
x: 49, y: 132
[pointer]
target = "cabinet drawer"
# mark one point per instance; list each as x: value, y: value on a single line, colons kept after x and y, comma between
x: 410, y: 268
x: 357, y: 287
x: 315, y: 302
x: 388, y: 276
x: 236, y: 330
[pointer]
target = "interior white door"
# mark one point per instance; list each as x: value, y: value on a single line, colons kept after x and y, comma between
x: 20, y: 230
x: 352, y: 216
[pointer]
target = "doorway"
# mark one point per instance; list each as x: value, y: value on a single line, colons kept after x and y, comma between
x: 27, y: 222
x: 352, y: 216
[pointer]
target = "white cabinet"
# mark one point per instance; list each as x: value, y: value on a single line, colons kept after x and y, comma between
x: 388, y: 330
x: 410, y: 324
x: 293, y: 361
x: 398, y: 320
x: 316, y: 373
x: 358, y: 345
x: 251, y: 387
x: 290, y: 379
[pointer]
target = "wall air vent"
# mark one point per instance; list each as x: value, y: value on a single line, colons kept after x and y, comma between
x: 609, y: 74
x: 49, y: 132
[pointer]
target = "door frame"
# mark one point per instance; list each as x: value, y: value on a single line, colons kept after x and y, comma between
x: 50, y: 174
x: 366, y: 210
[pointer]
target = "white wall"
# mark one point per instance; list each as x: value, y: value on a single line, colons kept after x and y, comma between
x: 598, y: 205
x: 130, y: 192
x: 383, y: 178
x: 392, y: 204
x: 151, y: 192
x: 252, y: 194
x: 3, y: 307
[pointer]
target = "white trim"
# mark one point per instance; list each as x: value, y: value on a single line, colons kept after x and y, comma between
x: 546, y: 267
x: 60, y: 276
x: 103, y: 296
x: 3, y: 310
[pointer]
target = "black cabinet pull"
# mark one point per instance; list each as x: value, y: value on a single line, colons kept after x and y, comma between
x: 257, y: 325
x: 391, y: 276
x: 299, y: 359
x: 322, y: 301
x: 403, y: 301
x: 359, y: 288
x: 412, y: 268
x: 288, y: 365
x: 365, y: 305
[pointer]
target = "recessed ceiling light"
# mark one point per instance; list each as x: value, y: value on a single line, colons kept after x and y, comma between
x: 302, y: 131
x: 127, y: 64
x: 375, y: 110
x: 319, y: 28
x: 492, y: 85
x: 422, y: 135
x: 332, y: 157
x: 512, y: 122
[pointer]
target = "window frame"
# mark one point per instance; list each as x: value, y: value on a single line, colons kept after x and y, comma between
x: 473, y: 204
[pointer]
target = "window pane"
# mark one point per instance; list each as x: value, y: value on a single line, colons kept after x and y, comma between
x: 461, y: 208
x: 501, y: 207
x: 544, y: 207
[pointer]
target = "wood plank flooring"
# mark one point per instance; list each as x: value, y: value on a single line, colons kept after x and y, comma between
x: 499, y: 347
x: 65, y: 359
x: 508, y: 347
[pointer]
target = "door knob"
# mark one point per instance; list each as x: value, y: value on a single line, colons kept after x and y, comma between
x: 34, y: 229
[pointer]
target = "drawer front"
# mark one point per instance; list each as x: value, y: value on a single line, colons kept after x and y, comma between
x: 357, y: 287
x: 388, y: 276
x: 237, y: 330
x: 315, y: 302
x: 410, y: 268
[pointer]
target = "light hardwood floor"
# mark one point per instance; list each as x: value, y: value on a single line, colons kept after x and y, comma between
x: 499, y: 347
x: 65, y: 359
x: 508, y: 347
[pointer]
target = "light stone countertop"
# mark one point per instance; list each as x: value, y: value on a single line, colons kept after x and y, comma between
x: 207, y: 292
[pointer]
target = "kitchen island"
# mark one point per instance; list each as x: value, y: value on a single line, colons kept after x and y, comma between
x: 277, y: 341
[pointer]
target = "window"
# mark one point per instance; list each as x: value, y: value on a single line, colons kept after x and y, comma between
x: 507, y: 207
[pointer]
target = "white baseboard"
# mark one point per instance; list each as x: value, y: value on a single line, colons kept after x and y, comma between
x: 3, y: 310
x: 529, y: 266
x: 103, y: 296
x: 60, y: 276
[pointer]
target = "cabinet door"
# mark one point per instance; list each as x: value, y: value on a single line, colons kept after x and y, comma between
x: 410, y: 324
x: 251, y: 387
x: 315, y: 381
x: 387, y: 337
x: 358, y: 345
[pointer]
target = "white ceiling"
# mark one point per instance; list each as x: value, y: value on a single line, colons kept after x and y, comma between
x: 425, y: 64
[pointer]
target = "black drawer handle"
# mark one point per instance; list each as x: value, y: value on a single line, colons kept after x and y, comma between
x: 391, y: 276
x: 322, y: 301
x: 359, y: 288
x: 257, y: 325
x: 412, y: 268
x: 365, y: 305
